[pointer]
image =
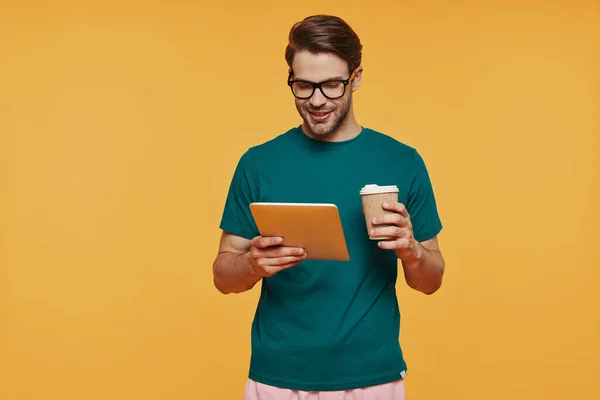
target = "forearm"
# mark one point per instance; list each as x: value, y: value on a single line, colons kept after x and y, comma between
x: 233, y: 273
x: 424, y: 273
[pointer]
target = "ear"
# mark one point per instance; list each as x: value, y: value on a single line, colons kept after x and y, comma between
x: 355, y: 84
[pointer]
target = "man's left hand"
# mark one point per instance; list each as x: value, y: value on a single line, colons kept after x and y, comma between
x: 400, y: 232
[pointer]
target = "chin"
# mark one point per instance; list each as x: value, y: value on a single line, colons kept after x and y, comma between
x: 320, y: 132
x: 320, y: 129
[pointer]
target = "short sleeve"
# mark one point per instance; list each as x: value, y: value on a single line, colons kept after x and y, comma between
x: 243, y: 190
x: 421, y: 204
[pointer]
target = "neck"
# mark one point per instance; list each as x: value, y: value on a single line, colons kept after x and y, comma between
x: 349, y: 129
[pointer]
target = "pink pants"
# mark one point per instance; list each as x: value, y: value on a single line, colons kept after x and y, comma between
x: 387, y: 391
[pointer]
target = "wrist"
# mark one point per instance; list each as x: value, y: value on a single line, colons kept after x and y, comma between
x: 252, y: 267
x: 419, y: 250
x: 414, y: 257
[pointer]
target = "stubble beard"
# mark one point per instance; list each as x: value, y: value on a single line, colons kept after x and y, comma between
x: 330, y: 127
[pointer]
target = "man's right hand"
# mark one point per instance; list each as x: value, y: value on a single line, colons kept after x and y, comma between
x: 268, y: 257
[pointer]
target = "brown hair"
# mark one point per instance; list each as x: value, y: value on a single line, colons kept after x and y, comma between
x: 325, y: 34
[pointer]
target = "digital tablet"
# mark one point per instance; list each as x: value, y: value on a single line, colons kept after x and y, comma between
x: 315, y: 227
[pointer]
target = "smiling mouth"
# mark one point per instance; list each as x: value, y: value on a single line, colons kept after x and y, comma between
x: 319, y: 116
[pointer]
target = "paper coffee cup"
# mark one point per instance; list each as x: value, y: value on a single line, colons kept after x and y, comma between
x: 373, y: 196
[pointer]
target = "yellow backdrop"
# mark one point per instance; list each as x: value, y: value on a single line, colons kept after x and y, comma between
x: 120, y: 126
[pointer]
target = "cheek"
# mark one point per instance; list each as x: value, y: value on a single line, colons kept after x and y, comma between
x: 339, y: 105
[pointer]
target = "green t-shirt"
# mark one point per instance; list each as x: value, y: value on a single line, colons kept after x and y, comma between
x: 330, y: 325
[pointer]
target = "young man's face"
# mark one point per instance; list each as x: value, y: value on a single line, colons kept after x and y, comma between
x: 323, y: 116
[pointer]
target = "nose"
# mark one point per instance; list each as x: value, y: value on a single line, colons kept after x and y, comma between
x: 317, y: 99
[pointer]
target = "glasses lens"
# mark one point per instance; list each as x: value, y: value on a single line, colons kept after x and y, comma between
x: 333, y: 89
x: 302, y: 89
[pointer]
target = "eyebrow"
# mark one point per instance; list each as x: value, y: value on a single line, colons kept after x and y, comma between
x: 335, y: 78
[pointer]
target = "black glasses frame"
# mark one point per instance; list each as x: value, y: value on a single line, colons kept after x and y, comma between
x: 318, y: 86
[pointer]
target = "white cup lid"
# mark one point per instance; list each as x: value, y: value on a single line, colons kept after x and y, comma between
x: 372, y: 189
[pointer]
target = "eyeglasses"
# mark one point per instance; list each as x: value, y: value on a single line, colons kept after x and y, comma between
x: 332, y: 88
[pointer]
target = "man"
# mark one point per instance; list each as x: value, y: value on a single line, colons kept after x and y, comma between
x: 328, y: 329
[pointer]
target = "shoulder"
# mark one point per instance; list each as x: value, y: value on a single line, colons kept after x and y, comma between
x: 270, y: 146
x: 264, y: 150
x: 385, y: 143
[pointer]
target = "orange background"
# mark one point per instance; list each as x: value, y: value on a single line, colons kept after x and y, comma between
x: 121, y: 124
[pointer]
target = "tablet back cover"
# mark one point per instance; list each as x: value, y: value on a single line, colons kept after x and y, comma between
x: 315, y: 227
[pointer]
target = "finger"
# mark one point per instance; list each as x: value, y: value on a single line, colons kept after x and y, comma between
x: 272, y: 270
x: 397, y: 244
x: 396, y: 207
x: 283, y: 251
x: 263, y: 242
x: 271, y: 262
x: 390, y: 231
x: 277, y: 252
x: 290, y: 265
x: 392, y: 219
